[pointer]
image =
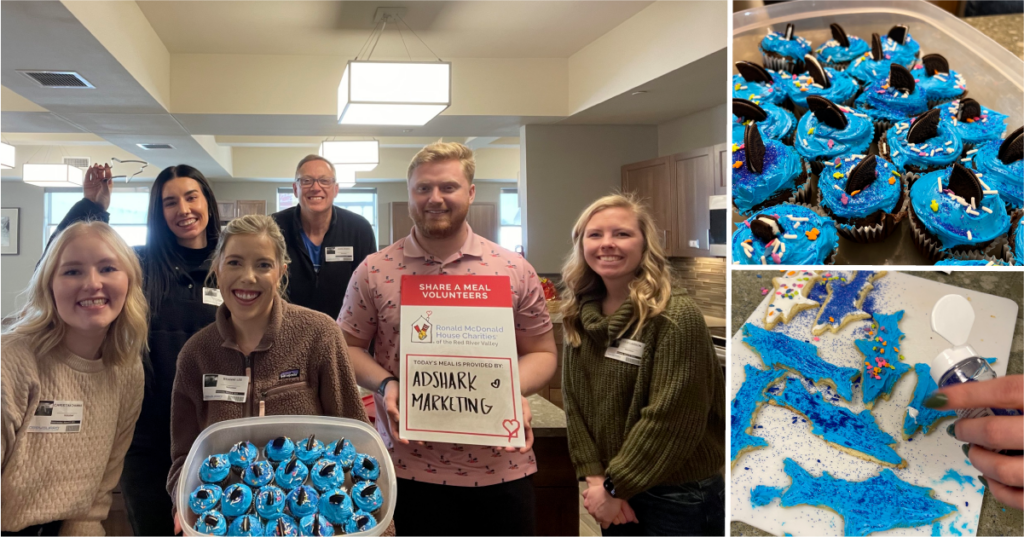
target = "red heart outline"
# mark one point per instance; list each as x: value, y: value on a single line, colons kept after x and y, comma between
x: 512, y: 427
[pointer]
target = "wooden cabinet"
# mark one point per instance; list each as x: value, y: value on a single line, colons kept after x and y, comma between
x: 722, y: 162
x: 482, y: 217
x: 401, y: 223
x: 652, y: 181
x: 247, y: 207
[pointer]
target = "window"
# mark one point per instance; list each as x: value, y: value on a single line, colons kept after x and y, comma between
x: 362, y: 201
x: 510, y: 236
x: 128, y: 209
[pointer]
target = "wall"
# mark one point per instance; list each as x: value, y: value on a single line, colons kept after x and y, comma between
x: 699, y: 129
x: 704, y: 280
x: 564, y: 169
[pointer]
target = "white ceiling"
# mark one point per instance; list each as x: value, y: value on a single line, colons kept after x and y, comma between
x: 459, y: 29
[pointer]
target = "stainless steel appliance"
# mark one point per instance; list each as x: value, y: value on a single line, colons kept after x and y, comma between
x: 718, y: 234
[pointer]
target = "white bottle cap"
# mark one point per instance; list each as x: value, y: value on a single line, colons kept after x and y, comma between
x: 952, y: 318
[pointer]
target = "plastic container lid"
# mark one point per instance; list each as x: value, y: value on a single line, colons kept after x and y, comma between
x: 952, y: 318
x: 219, y: 437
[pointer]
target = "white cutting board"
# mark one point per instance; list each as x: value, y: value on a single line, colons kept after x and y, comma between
x: 928, y: 457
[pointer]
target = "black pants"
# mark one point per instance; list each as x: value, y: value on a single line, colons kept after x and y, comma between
x: 503, y: 509
x: 695, y: 508
x: 50, y: 528
x: 144, y: 488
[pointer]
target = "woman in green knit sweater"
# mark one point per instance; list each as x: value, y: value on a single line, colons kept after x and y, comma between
x: 644, y: 394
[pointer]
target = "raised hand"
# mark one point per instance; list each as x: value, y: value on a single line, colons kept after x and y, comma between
x: 98, y: 184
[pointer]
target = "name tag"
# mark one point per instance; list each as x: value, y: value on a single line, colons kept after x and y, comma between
x: 626, y: 350
x: 225, y: 388
x: 338, y: 253
x: 212, y: 296
x: 57, y: 417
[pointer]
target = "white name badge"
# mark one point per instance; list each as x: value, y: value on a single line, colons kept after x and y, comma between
x: 225, y: 388
x: 626, y: 350
x: 212, y: 296
x: 57, y: 417
x: 339, y: 253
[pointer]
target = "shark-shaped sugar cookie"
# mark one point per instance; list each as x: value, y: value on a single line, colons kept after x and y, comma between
x: 790, y: 296
x: 845, y: 298
x: 745, y: 406
x: 779, y: 350
x: 919, y: 416
x: 883, y: 363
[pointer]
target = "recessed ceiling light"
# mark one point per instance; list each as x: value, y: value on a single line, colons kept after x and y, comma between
x: 641, y: 92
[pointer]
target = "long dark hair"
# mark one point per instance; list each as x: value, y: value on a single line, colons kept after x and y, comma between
x: 160, y: 240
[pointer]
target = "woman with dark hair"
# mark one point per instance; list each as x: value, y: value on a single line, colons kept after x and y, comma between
x: 183, y: 229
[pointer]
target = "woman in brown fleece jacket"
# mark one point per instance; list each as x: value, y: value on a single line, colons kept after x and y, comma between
x: 295, y: 358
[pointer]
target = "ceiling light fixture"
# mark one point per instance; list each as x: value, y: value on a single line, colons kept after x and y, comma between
x: 51, y: 175
x: 393, y: 92
x: 358, y: 155
x: 6, y: 156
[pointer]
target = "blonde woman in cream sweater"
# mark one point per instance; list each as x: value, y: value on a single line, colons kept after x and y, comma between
x: 75, y: 347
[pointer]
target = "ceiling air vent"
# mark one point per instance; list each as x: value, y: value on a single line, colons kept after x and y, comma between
x: 58, y: 79
x: 77, y: 162
x: 155, y: 146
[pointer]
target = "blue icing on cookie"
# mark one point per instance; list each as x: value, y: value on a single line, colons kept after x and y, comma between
x: 795, y: 48
x: 1007, y: 179
x: 902, y: 53
x: 237, y: 500
x: 958, y: 478
x: 940, y: 86
x: 838, y: 425
x: 942, y: 150
x: 798, y: 224
x: 832, y: 52
x: 951, y: 222
x: 882, y: 364
x: 881, y: 101
x: 919, y: 416
x: 867, y: 70
x: 844, y: 296
x: 745, y: 405
x: 324, y: 527
x: 211, y: 523
x: 246, y: 526
x: 762, y: 495
x: 819, y: 141
x: 876, y: 504
x: 337, y: 506
x: 880, y: 195
x: 781, y: 168
x: 779, y: 124
x: 798, y: 87
x: 988, y: 126
x: 779, y: 350
x: 761, y: 92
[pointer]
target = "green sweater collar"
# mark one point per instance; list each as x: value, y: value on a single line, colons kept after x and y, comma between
x: 600, y: 327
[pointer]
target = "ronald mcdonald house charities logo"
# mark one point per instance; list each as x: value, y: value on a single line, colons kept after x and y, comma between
x: 422, y: 330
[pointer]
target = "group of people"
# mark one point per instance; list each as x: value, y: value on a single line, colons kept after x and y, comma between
x: 128, y: 336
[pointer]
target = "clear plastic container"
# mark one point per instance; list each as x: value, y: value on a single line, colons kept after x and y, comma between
x: 219, y: 437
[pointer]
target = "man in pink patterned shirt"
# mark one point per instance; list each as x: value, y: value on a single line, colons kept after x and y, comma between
x: 448, y: 489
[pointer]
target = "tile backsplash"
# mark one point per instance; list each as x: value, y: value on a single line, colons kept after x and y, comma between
x: 704, y: 280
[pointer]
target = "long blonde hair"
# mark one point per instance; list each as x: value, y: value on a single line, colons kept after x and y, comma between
x: 253, y: 224
x: 651, y: 287
x: 39, y: 323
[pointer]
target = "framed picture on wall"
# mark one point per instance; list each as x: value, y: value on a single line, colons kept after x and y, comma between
x: 9, y: 231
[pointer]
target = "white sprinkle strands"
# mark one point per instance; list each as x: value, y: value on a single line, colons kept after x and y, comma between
x: 986, y: 192
x: 969, y: 237
x: 973, y: 151
x: 789, y: 236
x: 986, y: 209
x: 973, y: 206
x: 972, y: 213
x: 763, y: 262
x: 939, y: 179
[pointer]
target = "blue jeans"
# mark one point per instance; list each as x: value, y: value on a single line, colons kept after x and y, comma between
x: 694, y: 508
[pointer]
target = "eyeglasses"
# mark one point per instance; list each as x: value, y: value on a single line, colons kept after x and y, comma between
x: 324, y: 182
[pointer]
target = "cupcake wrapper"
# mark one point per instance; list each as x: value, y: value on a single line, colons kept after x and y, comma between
x: 881, y: 125
x: 875, y: 232
x: 931, y: 247
x: 976, y: 256
x: 778, y: 62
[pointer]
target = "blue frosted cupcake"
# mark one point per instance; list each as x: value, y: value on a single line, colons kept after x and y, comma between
x: 774, y: 121
x: 283, y: 525
x: 309, y: 450
x: 756, y: 84
x: 865, y: 196
x: 360, y: 521
x: 951, y: 214
x: 826, y: 82
x: 246, y: 526
x: 237, y: 501
x: 1015, y: 248
x: 302, y: 501
x: 973, y: 123
x: 999, y: 167
x: 242, y: 455
x: 871, y: 65
x: 215, y: 470
x: 831, y: 131
x: 766, y: 173
x: 291, y: 475
x: 785, y: 234
x: 316, y: 525
x: 784, y: 51
x: 258, y: 474
x: 342, y: 452
x: 270, y: 502
x: 939, y: 82
x: 327, y: 475
x: 367, y: 497
x: 892, y: 99
x: 923, y: 145
x: 279, y: 450
x: 336, y: 505
x: 366, y: 468
x: 211, y: 523
x: 900, y: 47
x: 204, y: 498
x: 838, y: 52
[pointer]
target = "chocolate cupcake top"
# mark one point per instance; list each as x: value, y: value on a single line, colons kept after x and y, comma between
x: 893, y: 98
x: 925, y: 142
x: 974, y: 123
x: 830, y: 130
x: 842, y: 47
x: 954, y: 206
x: 858, y: 186
x: 798, y: 236
x: 786, y: 44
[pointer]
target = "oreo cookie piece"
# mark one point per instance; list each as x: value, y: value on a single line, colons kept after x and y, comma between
x: 315, y: 530
x: 969, y: 109
x: 754, y: 147
x: 877, y: 53
x: 827, y: 112
x: 839, y: 35
x: 245, y: 525
x: 210, y: 520
x: 1012, y: 148
x: 752, y: 72
x: 368, y: 491
x: 202, y: 494
x: 817, y: 72
x: 900, y: 78
x: 965, y: 184
x: 862, y: 175
x: 899, y: 33
x: 765, y: 228
x: 935, y: 63
x: 236, y: 495
x: 327, y: 470
x: 748, y: 110
x: 925, y: 127
x: 788, y: 36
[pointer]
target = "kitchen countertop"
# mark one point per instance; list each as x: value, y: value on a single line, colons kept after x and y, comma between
x: 1003, y: 29
x: 996, y: 519
x: 548, y: 419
